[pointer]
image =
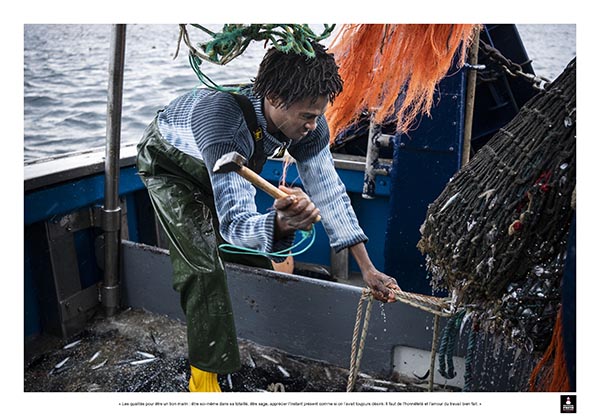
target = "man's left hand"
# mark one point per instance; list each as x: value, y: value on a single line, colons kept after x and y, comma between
x: 382, y: 286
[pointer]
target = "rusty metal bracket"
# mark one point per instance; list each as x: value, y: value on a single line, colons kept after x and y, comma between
x: 374, y: 165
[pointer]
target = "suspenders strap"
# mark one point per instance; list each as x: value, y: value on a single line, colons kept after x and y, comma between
x: 258, y: 158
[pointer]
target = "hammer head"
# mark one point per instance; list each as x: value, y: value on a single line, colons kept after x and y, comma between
x: 229, y: 162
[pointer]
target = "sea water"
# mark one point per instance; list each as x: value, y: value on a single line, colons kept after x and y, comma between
x: 66, y: 77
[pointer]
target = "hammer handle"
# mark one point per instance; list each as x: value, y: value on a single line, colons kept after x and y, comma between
x: 263, y: 184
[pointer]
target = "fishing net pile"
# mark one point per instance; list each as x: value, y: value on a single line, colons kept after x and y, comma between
x: 495, y: 238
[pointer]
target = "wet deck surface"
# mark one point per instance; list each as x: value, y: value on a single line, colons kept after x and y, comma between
x: 137, y: 351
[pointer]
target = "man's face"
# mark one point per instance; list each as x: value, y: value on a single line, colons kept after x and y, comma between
x: 297, y: 120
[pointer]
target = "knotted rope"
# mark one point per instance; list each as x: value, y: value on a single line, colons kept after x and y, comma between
x: 357, y: 348
x: 440, y: 307
x: 432, y: 304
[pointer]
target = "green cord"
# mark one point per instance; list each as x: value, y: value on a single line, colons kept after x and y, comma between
x: 195, y: 63
x: 233, y: 249
x: 233, y: 40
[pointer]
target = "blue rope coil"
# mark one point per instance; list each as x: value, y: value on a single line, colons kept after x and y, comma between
x: 305, y: 235
x: 469, y: 360
x: 448, y: 345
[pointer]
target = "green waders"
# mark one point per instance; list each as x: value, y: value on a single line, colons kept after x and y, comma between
x: 181, y: 194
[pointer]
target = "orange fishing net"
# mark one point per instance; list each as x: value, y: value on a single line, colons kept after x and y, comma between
x: 551, y: 373
x: 378, y: 61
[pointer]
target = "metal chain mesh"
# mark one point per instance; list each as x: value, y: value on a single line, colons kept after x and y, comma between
x: 496, y: 235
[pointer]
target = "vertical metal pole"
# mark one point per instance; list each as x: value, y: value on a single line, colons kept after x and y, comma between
x: 372, y: 155
x: 434, y: 340
x: 470, y: 99
x: 111, y: 213
x: 340, y: 267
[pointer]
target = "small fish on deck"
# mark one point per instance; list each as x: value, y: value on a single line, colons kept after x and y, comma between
x: 63, y: 362
x: 283, y: 371
x: 96, y: 354
x: 60, y: 367
x: 145, y: 354
x: 145, y: 361
x: 72, y: 344
x: 99, y: 365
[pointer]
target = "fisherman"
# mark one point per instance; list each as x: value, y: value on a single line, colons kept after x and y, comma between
x: 200, y: 209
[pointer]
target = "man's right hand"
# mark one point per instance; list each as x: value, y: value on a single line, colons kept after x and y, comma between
x: 294, y: 212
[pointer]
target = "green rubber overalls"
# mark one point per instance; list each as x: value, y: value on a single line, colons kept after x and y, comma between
x: 181, y: 194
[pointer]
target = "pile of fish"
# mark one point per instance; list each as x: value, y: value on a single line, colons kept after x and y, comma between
x: 137, y: 351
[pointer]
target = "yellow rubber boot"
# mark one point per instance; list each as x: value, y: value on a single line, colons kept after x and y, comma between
x: 203, y: 381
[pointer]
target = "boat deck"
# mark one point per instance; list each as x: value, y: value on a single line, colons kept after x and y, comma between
x: 139, y: 351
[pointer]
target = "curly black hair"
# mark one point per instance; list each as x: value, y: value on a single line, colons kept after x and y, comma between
x: 291, y: 77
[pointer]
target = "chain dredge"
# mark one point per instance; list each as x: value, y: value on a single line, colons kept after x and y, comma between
x: 496, y: 236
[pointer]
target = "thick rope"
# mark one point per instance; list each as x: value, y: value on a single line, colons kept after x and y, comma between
x: 432, y: 304
x: 440, y: 307
x: 357, y: 349
x: 436, y: 332
x: 469, y: 360
x: 443, y: 349
x: 448, y: 345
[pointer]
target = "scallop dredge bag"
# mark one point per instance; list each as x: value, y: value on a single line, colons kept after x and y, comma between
x: 495, y: 238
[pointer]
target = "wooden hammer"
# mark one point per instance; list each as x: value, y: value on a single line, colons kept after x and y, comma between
x: 234, y: 162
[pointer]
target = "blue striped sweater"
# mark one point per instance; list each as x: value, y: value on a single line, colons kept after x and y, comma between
x: 206, y: 124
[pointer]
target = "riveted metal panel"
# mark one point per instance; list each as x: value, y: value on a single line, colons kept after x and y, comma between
x: 299, y: 315
x: 422, y: 165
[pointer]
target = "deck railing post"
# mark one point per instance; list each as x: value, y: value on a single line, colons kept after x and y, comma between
x: 470, y: 99
x: 111, y: 213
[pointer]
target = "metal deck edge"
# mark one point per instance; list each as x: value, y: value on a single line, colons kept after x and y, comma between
x: 299, y: 315
x: 62, y: 168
